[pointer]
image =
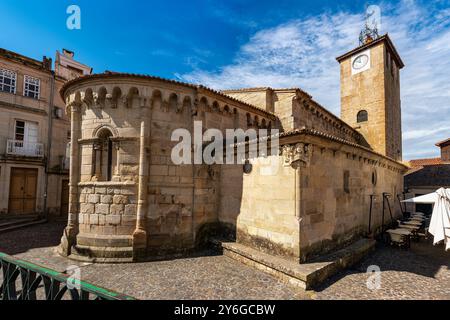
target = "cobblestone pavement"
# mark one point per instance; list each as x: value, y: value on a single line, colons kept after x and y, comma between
x: 420, y: 273
x: 204, y: 277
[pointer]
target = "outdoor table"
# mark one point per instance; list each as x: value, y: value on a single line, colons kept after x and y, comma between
x: 398, y: 236
x: 400, y: 231
x: 409, y: 227
x: 414, y: 230
x: 413, y: 223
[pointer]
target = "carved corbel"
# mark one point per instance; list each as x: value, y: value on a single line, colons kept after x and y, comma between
x: 109, y: 100
x: 294, y: 153
x: 146, y: 103
x: 87, y: 102
x: 165, y: 106
x: 194, y: 110
x: 96, y: 102
x: 125, y: 102
x: 179, y: 107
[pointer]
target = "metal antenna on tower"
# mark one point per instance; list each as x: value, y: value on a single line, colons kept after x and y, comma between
x: 372, y: 25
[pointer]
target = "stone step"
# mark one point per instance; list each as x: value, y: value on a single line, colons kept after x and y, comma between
x: 102, y: 254
x: 19, y: 224
x: 103, y: 241
x: 80, y: 258
x: 305, y: 275
x: 12, y: 222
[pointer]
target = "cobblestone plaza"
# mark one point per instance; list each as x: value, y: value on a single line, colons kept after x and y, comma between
x: 420, y: 273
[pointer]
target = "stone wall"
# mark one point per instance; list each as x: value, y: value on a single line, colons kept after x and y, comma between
x: 261, y: 204
x: 306, y: 207
x: 107, y: 208
x: 344, y: 188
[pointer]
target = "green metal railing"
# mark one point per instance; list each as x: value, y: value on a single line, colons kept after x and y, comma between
x: 56, y: 285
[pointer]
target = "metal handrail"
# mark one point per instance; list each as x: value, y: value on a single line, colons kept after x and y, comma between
x: 55, y: 283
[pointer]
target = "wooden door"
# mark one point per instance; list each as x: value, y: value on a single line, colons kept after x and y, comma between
x: 22, y: 191
x: 64, y: 198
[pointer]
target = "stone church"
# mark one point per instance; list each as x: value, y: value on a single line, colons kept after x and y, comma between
x: 129, y: 201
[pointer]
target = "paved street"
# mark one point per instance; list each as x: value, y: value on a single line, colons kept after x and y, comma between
x: 421, y: 273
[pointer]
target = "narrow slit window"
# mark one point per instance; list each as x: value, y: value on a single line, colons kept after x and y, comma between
x: 362, y: 116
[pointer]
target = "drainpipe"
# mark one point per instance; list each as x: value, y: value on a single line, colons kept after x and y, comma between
x: 49, y: 141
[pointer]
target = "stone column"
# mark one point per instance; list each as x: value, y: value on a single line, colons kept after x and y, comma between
x: 117, y: 148
x: 70, y: 232
x: 140, y: 233
x: 97, y: 149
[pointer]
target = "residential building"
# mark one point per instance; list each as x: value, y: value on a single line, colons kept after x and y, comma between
x: 34, y: 133
x: 428, y: 175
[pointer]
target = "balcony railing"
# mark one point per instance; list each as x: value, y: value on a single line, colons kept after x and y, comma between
x: 25, y: 149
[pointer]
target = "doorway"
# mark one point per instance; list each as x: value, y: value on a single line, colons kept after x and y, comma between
x: 22, y: 191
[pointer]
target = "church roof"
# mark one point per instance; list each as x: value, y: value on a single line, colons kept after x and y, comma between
x: 256, y: 89
x: 385, y: 39
x: 110, y: 74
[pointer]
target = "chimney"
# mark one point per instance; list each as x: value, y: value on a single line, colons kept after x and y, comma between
x: 445, y: 150
x: 47, y: 63
x: 68, y: 53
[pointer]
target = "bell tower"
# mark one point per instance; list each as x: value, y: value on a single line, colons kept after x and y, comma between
x: 370, y: 92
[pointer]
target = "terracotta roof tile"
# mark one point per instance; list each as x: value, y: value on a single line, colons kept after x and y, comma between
x: 425, y: 162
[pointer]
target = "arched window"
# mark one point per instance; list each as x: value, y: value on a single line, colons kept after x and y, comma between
x: 362, y: 116
x: 103, y: 153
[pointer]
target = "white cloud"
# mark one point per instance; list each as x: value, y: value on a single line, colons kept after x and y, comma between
x: 301, y: 53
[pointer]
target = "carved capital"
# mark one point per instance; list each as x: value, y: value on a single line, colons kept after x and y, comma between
x: 293, y: 153
x: 74, y: 107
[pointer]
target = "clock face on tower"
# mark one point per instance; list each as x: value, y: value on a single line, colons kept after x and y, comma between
x: 361, y: 62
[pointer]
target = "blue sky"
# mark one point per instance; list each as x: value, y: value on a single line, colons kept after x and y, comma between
x: 225, y: 44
